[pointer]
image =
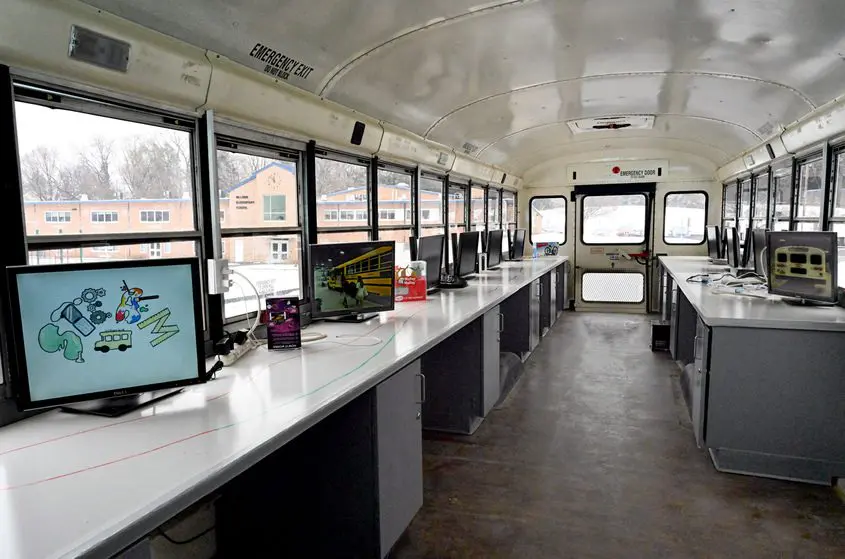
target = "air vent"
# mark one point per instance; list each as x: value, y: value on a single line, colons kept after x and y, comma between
x: 470, y: 148
x: 611, y: 123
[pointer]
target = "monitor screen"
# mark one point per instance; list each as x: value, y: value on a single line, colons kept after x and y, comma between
x: 88, y: 331
x: 747, y: 249
x: 803, y: 264
x: 494, y: 248
x: 350, y: 278
x: 713, y: 242
x: 431, y: 251
x: 467, y: 252
x: 758, y: 238
x: 732, y: 247
x: 518, y: 248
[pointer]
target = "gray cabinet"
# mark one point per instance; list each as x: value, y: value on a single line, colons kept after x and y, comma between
x: 698, y: 383
x: 491, y: 340
x: 399, y: 462
x: 547, y: 313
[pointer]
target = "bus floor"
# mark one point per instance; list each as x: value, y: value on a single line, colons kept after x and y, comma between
x: 593, y: 455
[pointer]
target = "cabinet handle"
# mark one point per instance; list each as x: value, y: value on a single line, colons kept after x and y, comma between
x: 501, y: 323
x: 422, y: 389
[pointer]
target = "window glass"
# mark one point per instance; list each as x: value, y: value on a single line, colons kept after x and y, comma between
x: 103, y: 217
x: 431, y: 203
x: 180, y: 249
x: 477, y: 209
x: 155, y: 216
x: 745, y: 199
x: 343, y: 237
x: 761, y: 196
x: 457, y: 215
x: 810, y: 189
x: 394, y: 197
x: 508, y: 207
x: 403, y: 246
x: 271, y: 263
x: 493, y: 218
x: 729, y: 202
x: 74, y: 164
x: 839, y: 192
x: 684, y: 218
x: 548, y: 220
x: 840, y: 234
x: 341, y: 187
x: 256, y: 191
x: 616, y: 219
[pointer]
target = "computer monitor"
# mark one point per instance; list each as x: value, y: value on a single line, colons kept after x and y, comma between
x: 494, y: 248
x: 430, y: 250
x: 714, y: 242
x: 467, y: 253
x: 352, y: 279
x: 755, y: 242
x: 109, y: 330
x: 731, y: 247
x: 803, y: 265
x: 518, y: 247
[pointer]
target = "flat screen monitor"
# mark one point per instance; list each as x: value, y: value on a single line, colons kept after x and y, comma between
x: 352, y: 278
x: 803, y: 265
x: 731, y: 247
x: 89, y: 331
x: 431, y: 251
x: 755, y: 242
x: 494, y: 248
x: 714, y: 242
x: 518, y: 248
x: 467, y: 252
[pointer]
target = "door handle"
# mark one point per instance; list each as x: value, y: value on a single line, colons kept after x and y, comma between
x: 501, y: 323
x: 422, y: 389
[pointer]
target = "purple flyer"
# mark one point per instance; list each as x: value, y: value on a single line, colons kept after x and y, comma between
x: 283, y: 331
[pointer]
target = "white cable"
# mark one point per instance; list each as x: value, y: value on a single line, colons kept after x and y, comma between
x: 764, y: 256
x: 254, y: 325
x: 312, y: 336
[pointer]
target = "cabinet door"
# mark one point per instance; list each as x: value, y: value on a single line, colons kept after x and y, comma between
x: 400, y: 473
x: 698, y: 384
x: 553, y: 294
x: 491, y: 343
x: 534, y: 315
x: 673, y: 322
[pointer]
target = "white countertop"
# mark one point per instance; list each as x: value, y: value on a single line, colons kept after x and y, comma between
x: 72, y: 485
x: 742, y: 311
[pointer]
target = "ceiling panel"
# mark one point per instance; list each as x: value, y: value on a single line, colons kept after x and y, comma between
x: 758, y: 63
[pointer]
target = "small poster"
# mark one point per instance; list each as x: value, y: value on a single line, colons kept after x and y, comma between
x: 283, y: 327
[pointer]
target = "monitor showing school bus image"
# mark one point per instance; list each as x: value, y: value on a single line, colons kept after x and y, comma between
x: 803, y: 265
x: 352, y: 278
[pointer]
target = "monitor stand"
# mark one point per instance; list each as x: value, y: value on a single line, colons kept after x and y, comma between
x: 355, y: 318
x: 120, y: 405
x: 799, y: 302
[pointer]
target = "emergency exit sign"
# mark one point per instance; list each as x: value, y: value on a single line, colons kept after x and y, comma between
x: 618, y: 171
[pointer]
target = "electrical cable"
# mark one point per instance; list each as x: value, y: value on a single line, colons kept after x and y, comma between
x: 189, y: 540
x: 254, y: 325
x: 312, y: 336
x: 213, y: 370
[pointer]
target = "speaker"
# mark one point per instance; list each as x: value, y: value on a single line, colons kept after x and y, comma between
x: 358, y: 133
x: 770, y: 150
x: 504, y: 176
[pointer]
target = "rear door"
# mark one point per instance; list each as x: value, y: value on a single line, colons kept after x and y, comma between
x: 613, y: 222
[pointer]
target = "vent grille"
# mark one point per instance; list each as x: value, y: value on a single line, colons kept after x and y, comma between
x: 611, y: 123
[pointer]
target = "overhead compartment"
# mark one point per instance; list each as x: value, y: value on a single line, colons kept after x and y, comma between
x: 161, y: 71
x: 401, y: 145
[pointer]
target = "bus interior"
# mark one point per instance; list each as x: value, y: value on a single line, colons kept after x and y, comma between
x: 246, y: 132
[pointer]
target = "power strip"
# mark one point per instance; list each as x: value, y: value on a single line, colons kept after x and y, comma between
x: 239, y: 351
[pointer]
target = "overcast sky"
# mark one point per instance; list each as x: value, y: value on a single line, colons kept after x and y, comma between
x: 69, y: 132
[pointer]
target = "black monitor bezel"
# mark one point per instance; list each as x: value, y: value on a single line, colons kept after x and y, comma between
x: 732, y: 247
x: 518, y: 254
x: 348, y: 312
x: 428, y: 273
x: 717, y: 241
x: 20, y: 375
x: 490, y: 252
x: 834, y: 273
x: 461, y: 241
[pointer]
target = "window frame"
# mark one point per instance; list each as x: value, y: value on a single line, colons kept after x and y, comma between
x: 103, y: 213
x: 799, y: 163
x: 57, y: 214
x: 444, y: 202
x: 276, y: 152
x: 706, y: 209
x: 264, y: 211
x: 645, y: 224
x: 154, y: 212
x: 565, y: 211
x: 349, y: 159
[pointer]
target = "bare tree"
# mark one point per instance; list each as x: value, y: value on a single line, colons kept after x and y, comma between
x: 333, y: 176
x: 42, y: 176
x: 92, y: 174
x: 152, y: 168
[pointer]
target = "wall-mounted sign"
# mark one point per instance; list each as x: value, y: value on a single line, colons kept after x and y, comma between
x: 280, y: 65
x: 618, y: 171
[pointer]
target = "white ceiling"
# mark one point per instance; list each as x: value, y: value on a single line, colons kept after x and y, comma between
x: 504, y: 77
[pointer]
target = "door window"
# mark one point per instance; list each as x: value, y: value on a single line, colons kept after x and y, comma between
x: 684, y: 218
x: 618, y: 219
